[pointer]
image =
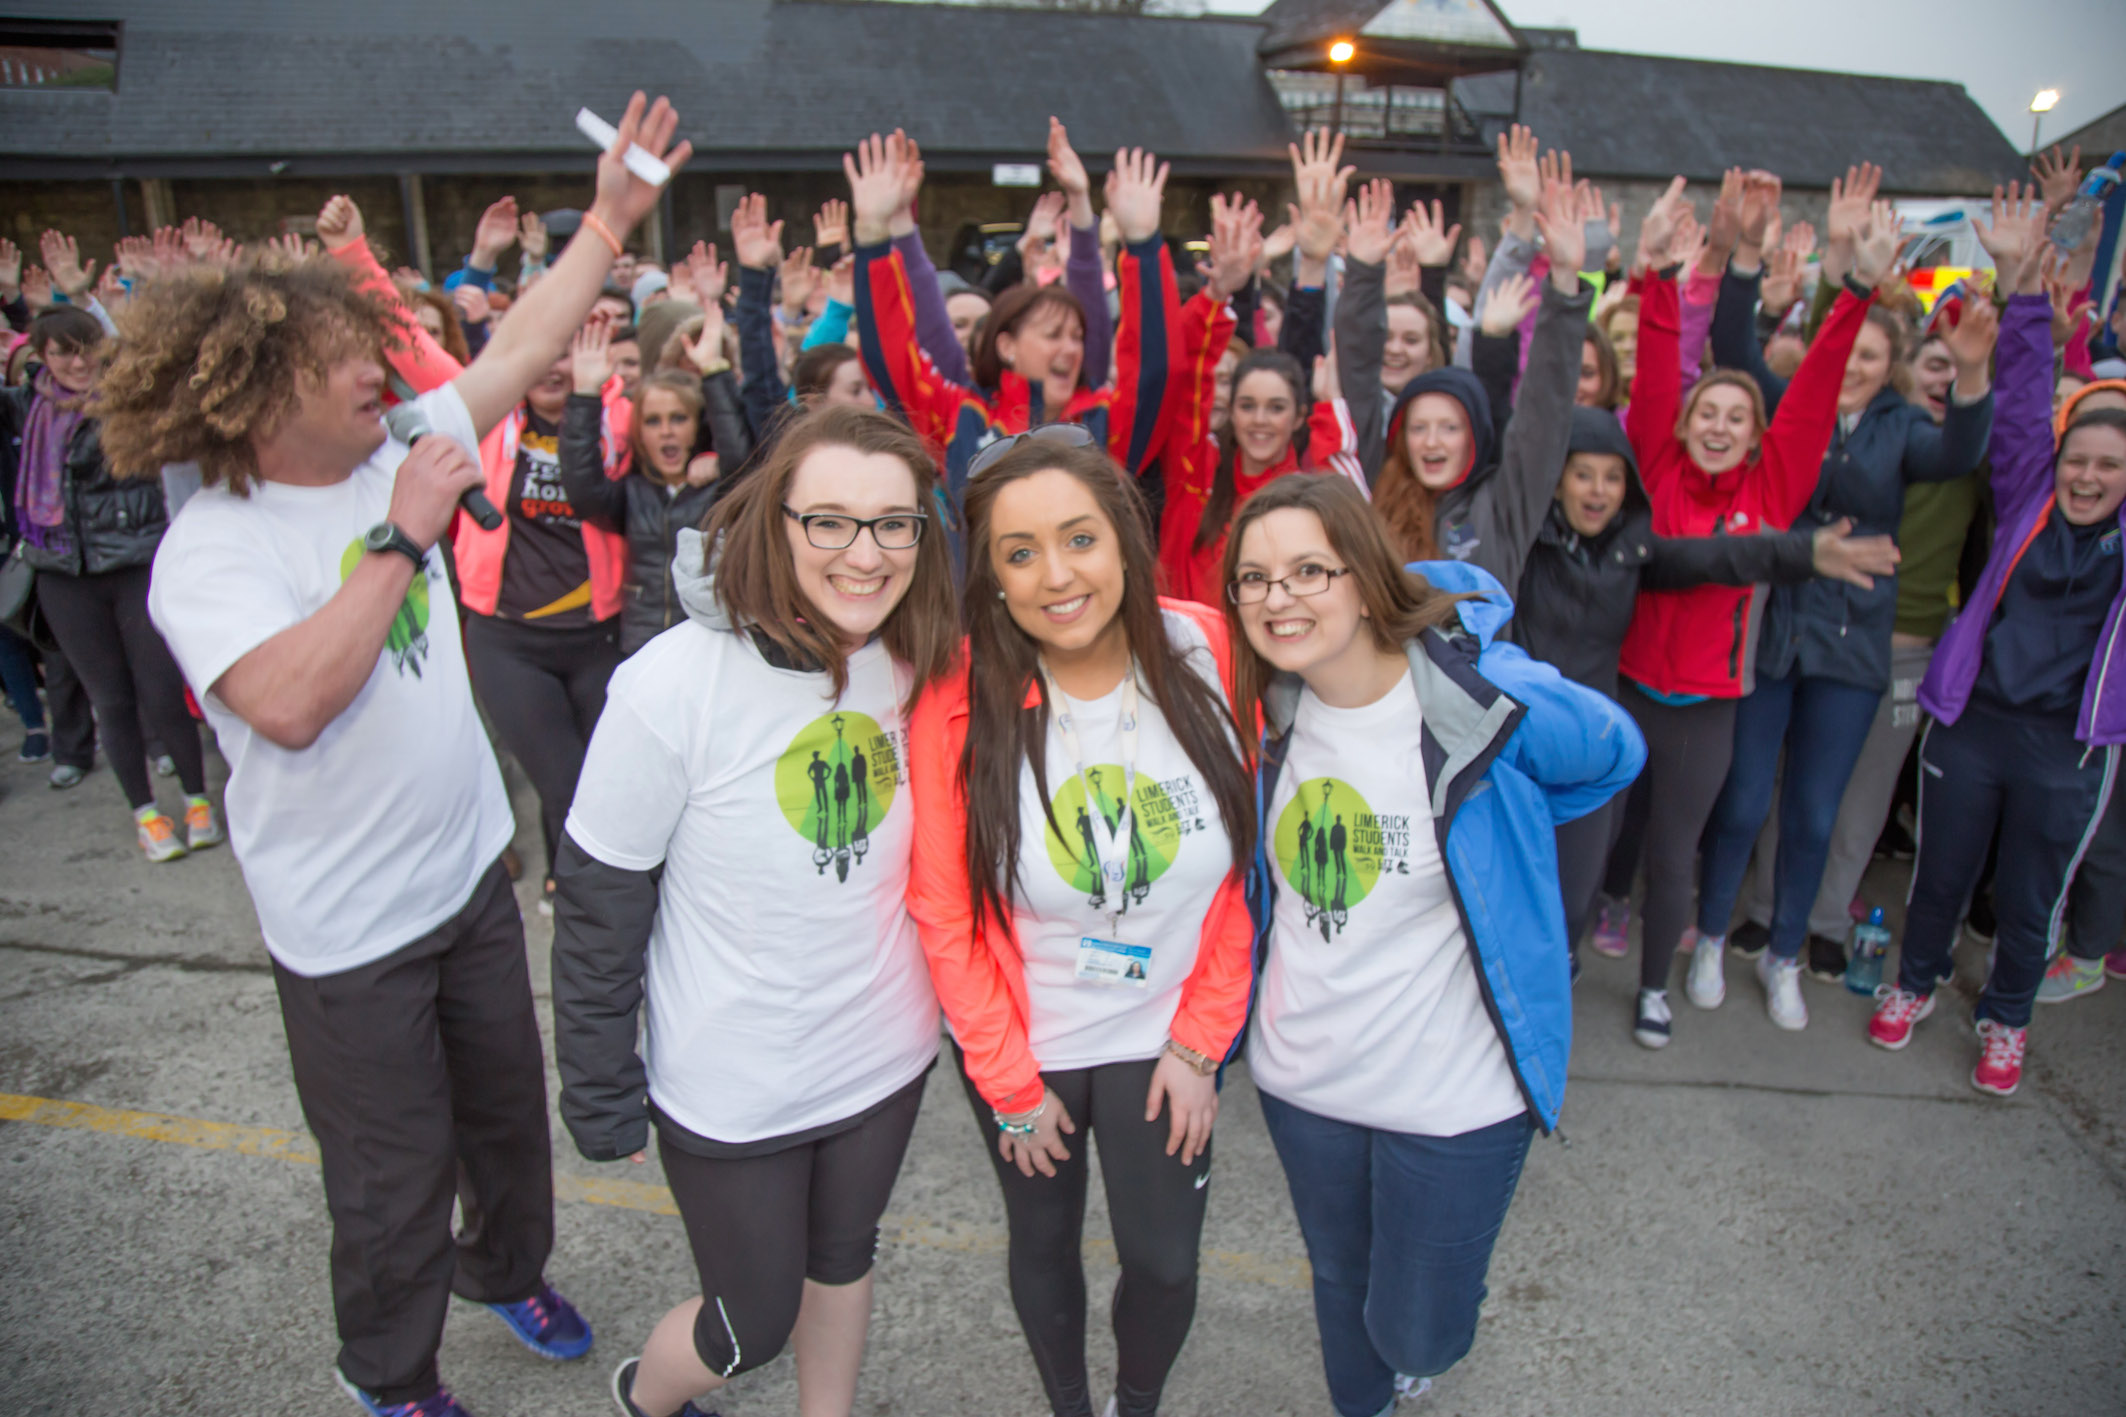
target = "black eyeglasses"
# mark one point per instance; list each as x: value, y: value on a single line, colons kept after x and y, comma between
x: 837, y: 531
x: 1310, y: 579
x: 1064, y: 435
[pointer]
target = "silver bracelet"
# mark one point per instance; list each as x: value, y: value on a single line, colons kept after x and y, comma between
x: 1025, y: 1128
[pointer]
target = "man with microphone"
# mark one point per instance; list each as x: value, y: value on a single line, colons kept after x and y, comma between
x: 302, y: 593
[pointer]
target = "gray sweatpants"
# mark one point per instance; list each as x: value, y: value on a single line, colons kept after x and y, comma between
x: 1861, y: 812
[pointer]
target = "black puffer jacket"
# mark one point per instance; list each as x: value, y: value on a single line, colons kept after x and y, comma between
x: 647, y: 512
x: 1577, y: 593
x: 110, y: 524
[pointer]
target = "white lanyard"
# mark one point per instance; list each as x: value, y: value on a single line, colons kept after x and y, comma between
x: 1110, y: 845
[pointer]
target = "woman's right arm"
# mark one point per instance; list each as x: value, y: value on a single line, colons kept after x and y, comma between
x: 420, y: 361
x: 2021, y: 449
x: 598, y: 499
x: 1362, y: 326
x: 757, y: 243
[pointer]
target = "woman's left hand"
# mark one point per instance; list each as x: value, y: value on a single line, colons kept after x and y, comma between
x: 1193, y: 1105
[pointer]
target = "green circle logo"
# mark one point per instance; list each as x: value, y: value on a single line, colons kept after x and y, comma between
x: 835, y: 782
x: 407, y: 640
x: 1329, y: 848
x: 1154, y: 835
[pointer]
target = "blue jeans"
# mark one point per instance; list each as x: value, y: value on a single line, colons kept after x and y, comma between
x: 1399, y: 1229
x: 18, y: 674
x: 1822, y: 724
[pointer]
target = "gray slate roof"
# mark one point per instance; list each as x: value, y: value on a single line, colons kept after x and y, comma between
x: 288, y: 78
x: 1646, y: 116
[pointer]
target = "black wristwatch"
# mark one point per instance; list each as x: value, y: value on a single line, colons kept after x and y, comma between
x: 386, y: 536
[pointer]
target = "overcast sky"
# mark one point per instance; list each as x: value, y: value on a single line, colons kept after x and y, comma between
x: 2002, y: 53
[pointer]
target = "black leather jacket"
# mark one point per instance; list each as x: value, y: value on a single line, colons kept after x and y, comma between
x: 110, y: 524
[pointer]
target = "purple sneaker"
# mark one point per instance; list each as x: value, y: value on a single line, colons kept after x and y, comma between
x: 437, y: 1404
x: 1612, y: 929
x: 547, y: 1324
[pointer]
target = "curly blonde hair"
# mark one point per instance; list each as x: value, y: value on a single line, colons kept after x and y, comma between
x: 211, y: 355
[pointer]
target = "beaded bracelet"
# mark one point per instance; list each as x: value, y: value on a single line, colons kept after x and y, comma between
x: 1026, y: 1128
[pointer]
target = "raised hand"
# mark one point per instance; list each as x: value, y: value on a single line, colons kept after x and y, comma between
x: 623, y: 199
x: 1690, y: 241
x: 703, y: 467
x: 1561, y: 220
x: 1068, y: 170
x: 203, y: 239
x: 111, y: 288
x: 532, y: 237
x: 2057, y: 177
x: 339, y: 223
x: 1371, y: 221
x: 841, y: 281
x: 1970, y: 341
x: 1781, y: 286
x: 37, y: 290
x: 495, y: 233
x: 1326, y: 387
x: 589, y: 354
x: 1322, y: 184
x: 877, y: 172
x: 1040, y: 232
x: 1851, y: 200
x: 1473, y: 260
x: 10, y: 269
x: 1760, y: 207
x: 471, y: 301
x: 171, y: 253
x: 1278, y: 244
x: 1236, y: 235
x: 708, y: 276
x: 705, y: 350
x: 2071, y: 312
x: 1135, y: 190
x: 799, y: 279
x: 1875, y: 251
x: 830, y: 224
x: 1518, y: 172
x: 1508, y: 303
x: 1405, y: 272
x: 62, y: 257
x: 911, y: 183
x: 1428, y: 234
x: 755, y: 241
x: 1657, y: 231
x: 2013, y: 236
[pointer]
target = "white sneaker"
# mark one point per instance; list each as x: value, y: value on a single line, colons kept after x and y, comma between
x: 1409, y: 1389
x: 1651, y: 1027
x: 1706, y: 982
x: 1782, y: 991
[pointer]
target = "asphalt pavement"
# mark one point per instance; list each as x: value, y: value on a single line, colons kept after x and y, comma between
x: 1749, y: 1222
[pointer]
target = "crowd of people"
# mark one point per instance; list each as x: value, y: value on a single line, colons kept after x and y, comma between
x: 1289, y: 656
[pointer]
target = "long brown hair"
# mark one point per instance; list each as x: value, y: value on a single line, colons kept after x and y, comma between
x: 679, y: 386
x: 1400, y: 604
x: 1435, y: 326
x: 1220, y: 505
x: 1012, y: 309
x: 756, y: 580
x: 1002, y: 732
x: 1403, y: 506
x: 1609, y: 385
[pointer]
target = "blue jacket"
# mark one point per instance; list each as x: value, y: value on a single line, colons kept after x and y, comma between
x: 1512, y: 749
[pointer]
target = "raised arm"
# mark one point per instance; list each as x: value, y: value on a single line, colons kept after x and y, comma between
x: 757, y: 243
x: 1141, y: 409
x: 1656, y: 396
x: 2021, y: 444
x: 1083, y: 274
x: 419, y: 360
x: 597, y: 498
x: 1317, y: 224
x: 540, y: 322
x: 1940, y: 453
x: 1362, y: 320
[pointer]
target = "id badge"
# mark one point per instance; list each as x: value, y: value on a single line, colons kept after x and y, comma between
x: 1112, y: 962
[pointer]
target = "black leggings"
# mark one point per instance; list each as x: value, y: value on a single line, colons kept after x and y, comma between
x: 760, y: 1226
x: 1155, y: 1206
x: 1688, y: 749
x: 102, y: 625
x: 543, y: 689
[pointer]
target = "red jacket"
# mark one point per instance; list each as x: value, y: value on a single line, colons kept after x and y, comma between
x: 1190, y: 462
x: 1704, y: 640
x: 980, y: 974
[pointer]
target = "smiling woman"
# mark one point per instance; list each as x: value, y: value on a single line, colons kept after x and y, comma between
x: 1084, y: 821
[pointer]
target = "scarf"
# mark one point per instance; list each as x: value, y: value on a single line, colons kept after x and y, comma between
x: 40, y: 485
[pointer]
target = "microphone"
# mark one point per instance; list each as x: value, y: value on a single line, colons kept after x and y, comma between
x: 407, y: 423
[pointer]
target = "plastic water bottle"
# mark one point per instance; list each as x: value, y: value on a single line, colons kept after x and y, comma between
x: 1871, y: 942
x: 2081, y: 213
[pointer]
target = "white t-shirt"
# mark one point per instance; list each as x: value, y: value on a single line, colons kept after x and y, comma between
x: 1177, y: 856
x: 787, y: 986
x: 1369, y: 1010
x: 379, y: 831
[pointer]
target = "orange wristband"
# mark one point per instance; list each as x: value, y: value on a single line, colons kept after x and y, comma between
x: 592, y: 220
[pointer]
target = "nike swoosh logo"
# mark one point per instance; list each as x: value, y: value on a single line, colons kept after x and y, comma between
x: 1203, y: 1180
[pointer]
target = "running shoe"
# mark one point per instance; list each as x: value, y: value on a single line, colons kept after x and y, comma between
x: 202, y: 830
x: 1706, y: 982
x: 1896, y: 1010
x: 1749, y: 939
x: 1409, y: 1389
x: 547, y: 1324
x: 1782, y: 992
x: 2000, y: 1058
x: 437, y: 1404
x: 66, y: 775
x: 1651, y: 1028
x: 2070, y: 978
x: 1612, y: 931
x: 36, y: 748
x: 2115, y: 964
x: 624, y: 1392
x: 1827, y: 959
x: 158, y: 837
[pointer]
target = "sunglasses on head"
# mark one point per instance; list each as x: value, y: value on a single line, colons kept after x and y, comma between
x: 1063, y: 435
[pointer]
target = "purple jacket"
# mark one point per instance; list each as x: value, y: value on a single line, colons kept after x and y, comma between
x: 2023, y: 496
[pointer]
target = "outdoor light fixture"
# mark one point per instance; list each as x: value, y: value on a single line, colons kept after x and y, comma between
x: 2044, y: 102
x: 1341, y: 52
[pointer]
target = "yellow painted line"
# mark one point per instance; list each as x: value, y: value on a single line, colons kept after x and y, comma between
x: 300, y: 1149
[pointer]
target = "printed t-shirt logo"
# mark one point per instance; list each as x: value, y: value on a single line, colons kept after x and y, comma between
x: 834, y: 783
x: 407, y: 640
x: 1332, y: 848
x: 1163, y: 813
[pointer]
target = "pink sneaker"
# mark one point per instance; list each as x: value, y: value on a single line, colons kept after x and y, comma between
x: 1895, y: 1013
x: 2115, y: 964
x: 2000, y: 1058
x: 1612, y: 930
x: 1687, y: 942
